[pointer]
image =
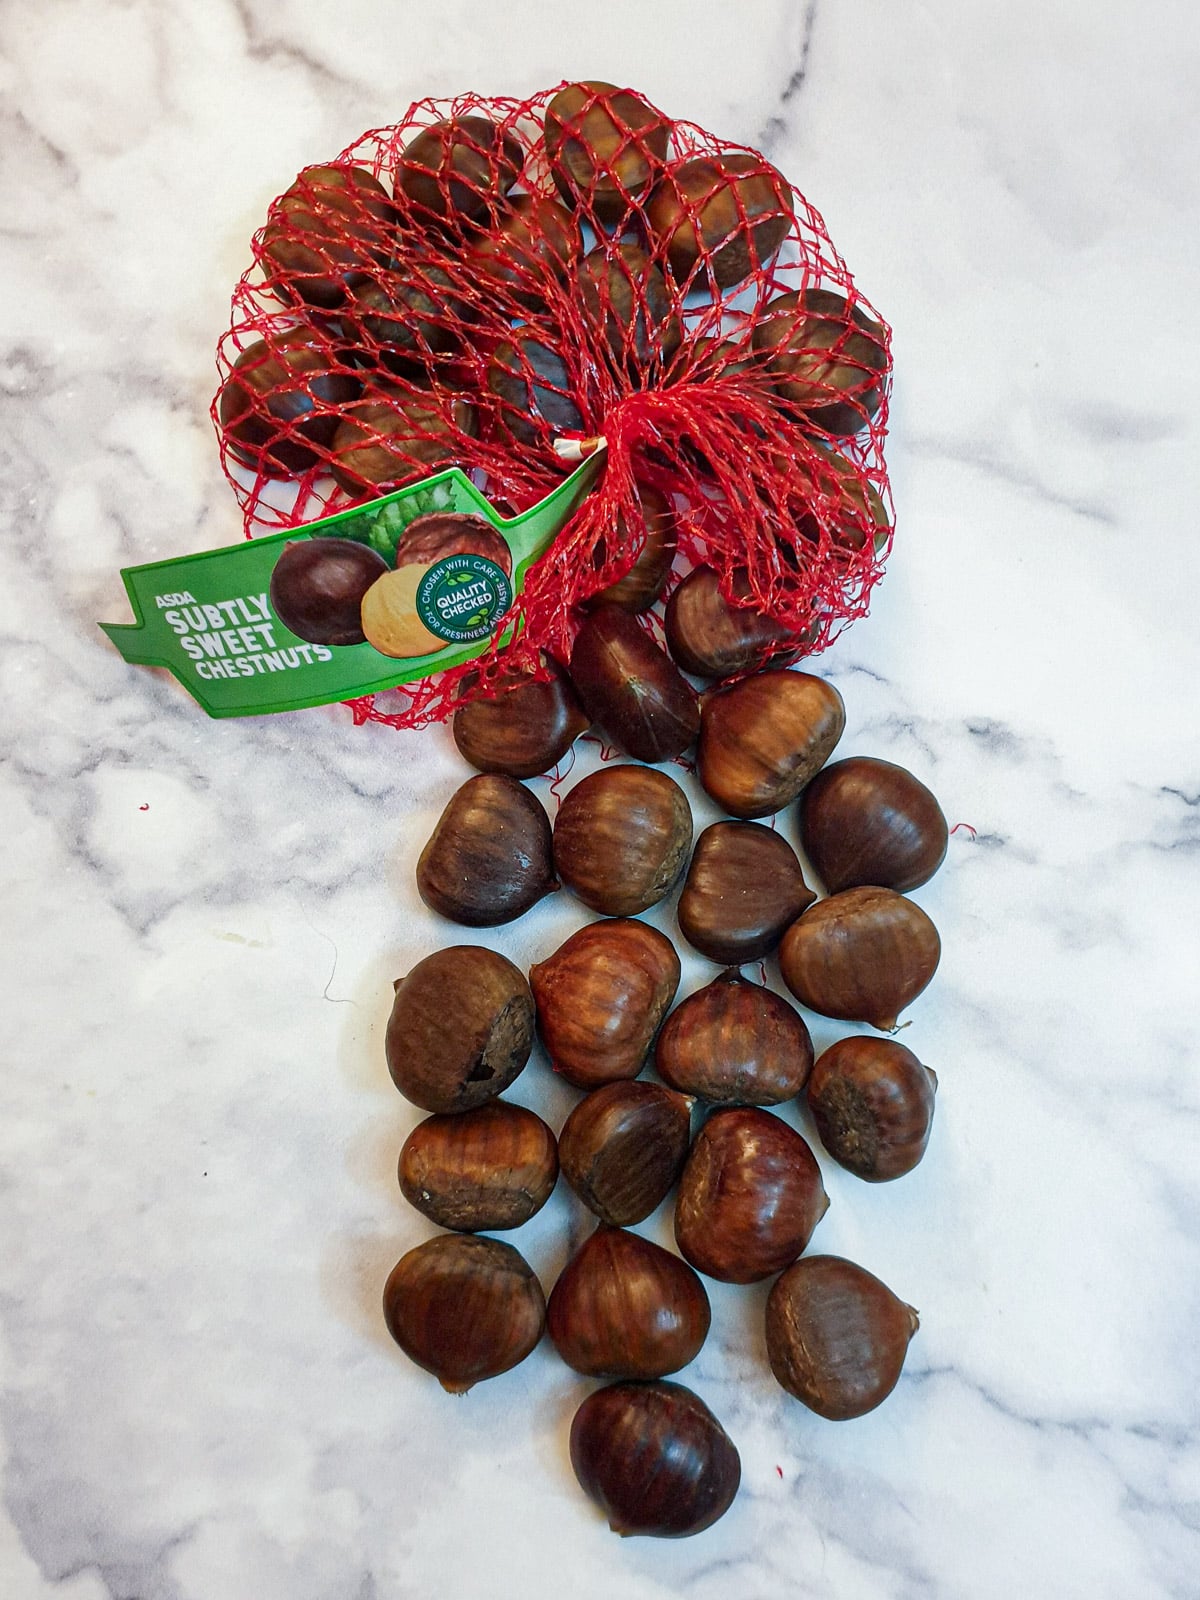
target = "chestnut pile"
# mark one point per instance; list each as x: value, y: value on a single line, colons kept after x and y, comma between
x: 748, y: 1189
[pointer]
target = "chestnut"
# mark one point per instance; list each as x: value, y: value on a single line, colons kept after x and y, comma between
x: 762, y: 739
x: 459, y: 169
x: 621, y: 839
x: 605, y: 147
x: 489, y: 858
x: 626, y: 297
x: 632, y: 688
x: 654, y: 1459
x: 461, y: 1028
x: 491, y: 1168
x: 864, y: 821
x: 278, y: 408
x: 532, y: 388
x: 414, y: 316
x: 733, y: 211
x: 525, y: 728
x: 749, y: 1198
x: 646, y: 579
x: 872, y: 1102
x: 624, y: 1307
x: 383, y: 443
x: 317, y: 588
x: 709, y: 636
x: 735, y: 1043
x: 861, y: 955
x: 743, y: 891
x: 532, y: 245
x: 464, y: 1308
x: 855, y: 515
x: 623, y: 1146
x: 600, y: 998
x: 836, y: 1336
x: 329, y: 229
x: 827, y: 356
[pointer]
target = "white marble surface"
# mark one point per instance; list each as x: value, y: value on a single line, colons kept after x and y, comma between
x: 197, y: 1134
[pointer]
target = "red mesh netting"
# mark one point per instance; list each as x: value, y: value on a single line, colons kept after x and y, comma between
x: 491, y: 275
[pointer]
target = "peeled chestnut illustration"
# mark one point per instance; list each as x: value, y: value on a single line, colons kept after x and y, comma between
x: 762, y: 739
x: 714, y: 639
x: 491, y: 1168
x: 735, y: 1043
x: 749, y: 1198
x: 525, y: 728
x: 864, y: 821
x: 533, y: 243
x: 391, y: 618
x: 734, y: 209
x: 532, y: 389
x: 461, y: 1028
x: 624, y: 1307
x: 464, y: 1308
x: 861, y: 955
x: 654, y: 1459
x: 317, y: 588
x: 632, y: 688
x: 621, y: 839
x: 278, y: 408
x: 460, y: 168
x: 836, y: 1336
x: 646, y: 579
x: 743, y: 890
x: 626, y: 297
x: 605, y: 146
x: 600, y: 998
x: 872, y: 1102
x: 623, y: 1146
x: 489, y: 858
x: 828, y: 357
x: 327, y: 231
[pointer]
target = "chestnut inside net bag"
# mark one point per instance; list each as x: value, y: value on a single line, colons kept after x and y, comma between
x: 491, y: 282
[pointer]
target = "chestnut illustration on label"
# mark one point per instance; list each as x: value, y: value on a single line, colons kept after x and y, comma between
x: 452, y: 584
x: 318, y: 585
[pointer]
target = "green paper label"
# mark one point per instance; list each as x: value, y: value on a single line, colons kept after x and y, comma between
x: 211, y: 620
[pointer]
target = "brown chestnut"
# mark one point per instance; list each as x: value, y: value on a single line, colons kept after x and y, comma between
x: 762, y: 739
x: 532, y: 388
x: 600, y: 998
x: 525, y: 728
x: 732, y: 210
x: 712, y: 638
x: 278, y: 408
x: 646, y: 579
x: 735, y: 1043
x: 749, y: 1198
x: 532, y: 245
x: 621, y: 839
x: 623, y: 1146
x: 329, y: 229
x: 872, y: 1102
x: 605, y: 146
x: 414, y: 315
x: 491, y: 1168
x: 381, y: 444
x: 827, y: 357
x: 864, y: 821
x: 632, y: 688
x: 460, y: 168
x: 317, y: 588
x: 461, y: 1028
x: 836, y: 1336
x: 626, y: 298
x: 654, y: 1459
x: 624, y: 1307
x: 743, y: 891
x: 464, y: 1308
x: 861, y: 955
x: 489, y: 858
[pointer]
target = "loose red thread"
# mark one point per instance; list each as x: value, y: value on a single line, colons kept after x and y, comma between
x: 144, y: 808
x: 974, y: 832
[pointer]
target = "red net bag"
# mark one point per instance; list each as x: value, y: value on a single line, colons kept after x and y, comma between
x: 491, y: 279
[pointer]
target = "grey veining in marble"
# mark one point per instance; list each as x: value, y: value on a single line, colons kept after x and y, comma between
x: 198, y: 1204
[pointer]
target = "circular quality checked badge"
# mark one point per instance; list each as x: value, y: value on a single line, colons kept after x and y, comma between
x: 463, y: 597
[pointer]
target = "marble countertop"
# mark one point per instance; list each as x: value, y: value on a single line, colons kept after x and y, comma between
x: 198, y: 1400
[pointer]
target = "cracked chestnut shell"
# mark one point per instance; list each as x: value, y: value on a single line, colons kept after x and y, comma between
x: 865, y: 821
x: 492, y: 1168
x: 749, y: 1198
x: 836, y: 1336
x: 489, y: 858
x: 872, y: 1102
x: 317, y: 588
x: 623, y: 1146
x: 624, y: 1307
x: 735, y: 1043
x: 632, y: 688
x: 710, y: 637
x: 461, y: 1028
x: 744, y: 889
x: 861, y: 955
x: 762, y: 739
x: 654, y: 1459
x: 464, y: 1308
x: 601, y: 997
x: 827, y: 356
x: 621, y: 839
x: 605, y: 146
x: 525, y: 728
